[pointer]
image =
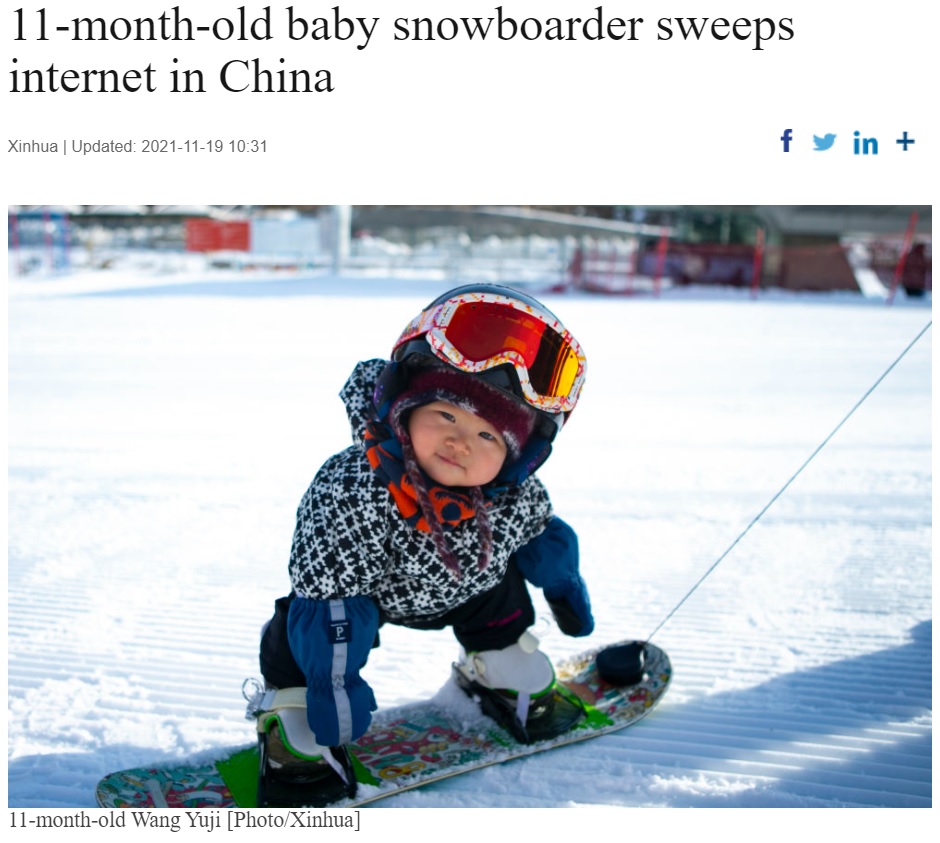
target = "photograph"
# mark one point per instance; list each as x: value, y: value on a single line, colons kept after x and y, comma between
x: 467, y: 506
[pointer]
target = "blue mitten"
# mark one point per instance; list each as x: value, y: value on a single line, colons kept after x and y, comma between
x: 550, y: 562
x: 330, y: 641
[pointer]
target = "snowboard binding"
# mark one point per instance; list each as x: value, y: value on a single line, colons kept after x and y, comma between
x: 516, y: 687
x: 286, y: 780
x: 548, y: 714
x: 294, y: 771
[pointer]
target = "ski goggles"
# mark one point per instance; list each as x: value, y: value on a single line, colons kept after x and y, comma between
x: 476, y: 332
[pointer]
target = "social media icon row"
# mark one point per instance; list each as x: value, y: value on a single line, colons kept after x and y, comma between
x: 860, y: 145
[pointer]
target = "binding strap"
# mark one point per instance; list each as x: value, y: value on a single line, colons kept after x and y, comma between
x: 288, y: 708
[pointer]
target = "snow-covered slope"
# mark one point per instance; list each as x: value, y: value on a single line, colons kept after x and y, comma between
x: 161, y: 435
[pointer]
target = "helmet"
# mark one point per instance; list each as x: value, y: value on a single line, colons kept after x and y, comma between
x: 506, y: 338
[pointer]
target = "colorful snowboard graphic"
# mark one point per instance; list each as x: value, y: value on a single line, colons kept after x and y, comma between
x: 405, y: 748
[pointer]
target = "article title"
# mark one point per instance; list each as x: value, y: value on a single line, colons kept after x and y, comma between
x: 301, y: 27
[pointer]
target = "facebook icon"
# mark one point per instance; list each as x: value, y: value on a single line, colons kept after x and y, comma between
x: 786, y: 137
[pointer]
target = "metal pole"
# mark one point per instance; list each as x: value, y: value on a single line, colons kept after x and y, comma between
x: 341, y: 236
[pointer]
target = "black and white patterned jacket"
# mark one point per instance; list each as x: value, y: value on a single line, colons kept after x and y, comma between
x: 351, y: 540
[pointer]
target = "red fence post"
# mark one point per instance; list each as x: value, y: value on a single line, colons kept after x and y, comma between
x: 899, y: 268
x: 758, y: 262
x: 661, y: 248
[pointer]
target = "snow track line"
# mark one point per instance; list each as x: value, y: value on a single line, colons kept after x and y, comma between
x: 791, y: 480
x: 821, y: 770
x: 875, y: 732
x: 686, y: 777
x: 897, y: 770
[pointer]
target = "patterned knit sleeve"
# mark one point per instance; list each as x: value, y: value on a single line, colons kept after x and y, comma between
x: 340, y: 545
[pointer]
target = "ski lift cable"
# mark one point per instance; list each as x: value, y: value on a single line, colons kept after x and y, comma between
x: 789, y: 482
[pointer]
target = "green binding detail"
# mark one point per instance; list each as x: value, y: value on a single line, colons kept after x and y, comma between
x: 292, y: 698
x: 240, y: 774
x: 363, y: 776
x: 594, y: 717
x: 285, y: 699
x: 272, y: 718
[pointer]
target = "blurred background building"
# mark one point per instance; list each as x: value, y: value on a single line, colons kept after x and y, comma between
x: 610, y: 249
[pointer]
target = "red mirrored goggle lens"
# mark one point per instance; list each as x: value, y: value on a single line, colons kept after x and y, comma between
x: 483, y: 330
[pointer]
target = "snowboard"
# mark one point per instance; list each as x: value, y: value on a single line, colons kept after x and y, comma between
x: 408, y: 746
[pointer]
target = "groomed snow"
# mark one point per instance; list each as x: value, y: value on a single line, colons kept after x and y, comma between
x: 162, y: 430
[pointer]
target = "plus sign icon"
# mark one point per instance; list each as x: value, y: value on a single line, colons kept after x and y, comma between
x: 905, y: 141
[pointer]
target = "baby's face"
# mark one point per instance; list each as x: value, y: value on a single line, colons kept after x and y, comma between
x: 454, y: 447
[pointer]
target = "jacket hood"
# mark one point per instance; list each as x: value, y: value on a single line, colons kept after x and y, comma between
x: 373, y: 387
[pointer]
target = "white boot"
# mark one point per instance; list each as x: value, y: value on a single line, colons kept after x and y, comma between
x: 520, y: 668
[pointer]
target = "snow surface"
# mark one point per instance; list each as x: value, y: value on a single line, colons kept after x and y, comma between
x: 162, y: 430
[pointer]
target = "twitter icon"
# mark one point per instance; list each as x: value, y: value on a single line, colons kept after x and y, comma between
x: 824, y: 142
